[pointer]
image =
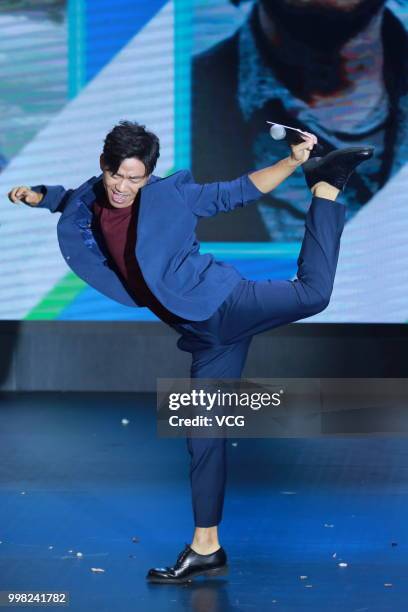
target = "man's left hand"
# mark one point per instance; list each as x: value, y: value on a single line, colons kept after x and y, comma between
x: 301, y: 152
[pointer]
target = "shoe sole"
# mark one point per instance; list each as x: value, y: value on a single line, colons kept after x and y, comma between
x: 216, y: 571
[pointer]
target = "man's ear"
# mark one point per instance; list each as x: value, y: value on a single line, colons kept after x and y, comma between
x: 102, y: 163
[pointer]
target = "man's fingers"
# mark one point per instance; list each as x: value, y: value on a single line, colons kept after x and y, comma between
x: 22, y: 191
x: 306, y: 144
x: 13, y: 195
x: 301, y: 151
x: 17, y: 193
x: 311, y: 136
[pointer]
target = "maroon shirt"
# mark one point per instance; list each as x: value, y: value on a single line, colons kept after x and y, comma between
x: 118, y: 228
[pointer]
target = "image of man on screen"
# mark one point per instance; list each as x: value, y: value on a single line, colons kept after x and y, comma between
x: 335, y: 68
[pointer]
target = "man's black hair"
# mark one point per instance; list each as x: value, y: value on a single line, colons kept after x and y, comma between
x: 130, y: 139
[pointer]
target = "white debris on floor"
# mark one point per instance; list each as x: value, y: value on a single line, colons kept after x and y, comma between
x: 125, y: 421
x: 342, y: 564
x: 97, y: 570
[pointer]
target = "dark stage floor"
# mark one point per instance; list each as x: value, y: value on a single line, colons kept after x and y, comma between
x: 74, y: 479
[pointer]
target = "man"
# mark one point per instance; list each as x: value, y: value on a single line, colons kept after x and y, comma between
x: 131, y: 235
x: 337, y: 68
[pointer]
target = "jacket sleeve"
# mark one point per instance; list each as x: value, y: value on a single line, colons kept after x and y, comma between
x: 55, y: 197
x: 209, y: 199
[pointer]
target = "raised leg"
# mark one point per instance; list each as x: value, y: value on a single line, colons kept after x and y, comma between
x: 263, y: 305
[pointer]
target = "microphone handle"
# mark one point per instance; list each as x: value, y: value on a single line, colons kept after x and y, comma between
x: 293, y: 138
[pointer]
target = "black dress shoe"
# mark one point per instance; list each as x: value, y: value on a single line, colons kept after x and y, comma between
x: 336, y: 167
x: 190, y: 564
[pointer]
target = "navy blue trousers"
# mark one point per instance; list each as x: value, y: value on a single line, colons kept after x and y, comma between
x: 219, y: 345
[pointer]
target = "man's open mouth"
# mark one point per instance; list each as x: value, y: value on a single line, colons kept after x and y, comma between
x: 119, y: 198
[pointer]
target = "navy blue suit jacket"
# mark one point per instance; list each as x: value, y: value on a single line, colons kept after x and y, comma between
x: 187, y: 283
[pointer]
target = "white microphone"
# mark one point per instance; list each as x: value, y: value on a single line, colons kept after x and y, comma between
x: 293, y: 136
x: 277, y: 131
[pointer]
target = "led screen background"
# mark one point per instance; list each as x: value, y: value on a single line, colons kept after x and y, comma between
x: 70, y: 70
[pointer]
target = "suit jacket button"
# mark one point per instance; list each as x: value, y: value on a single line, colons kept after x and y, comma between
x: 68, y: 257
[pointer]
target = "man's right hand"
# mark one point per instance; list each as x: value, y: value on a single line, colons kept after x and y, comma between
x: 26, y: 195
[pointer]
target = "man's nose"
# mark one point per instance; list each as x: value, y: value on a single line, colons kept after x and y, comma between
x: 121, y: 185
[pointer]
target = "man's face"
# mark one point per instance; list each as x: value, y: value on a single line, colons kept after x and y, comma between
x: 122, y: 186
x: 324, y: 24
x: 342, y: 5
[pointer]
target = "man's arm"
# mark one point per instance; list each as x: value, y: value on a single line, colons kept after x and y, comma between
x: 211, y: 198
x: 41, y: 196
x: 269, y: 178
